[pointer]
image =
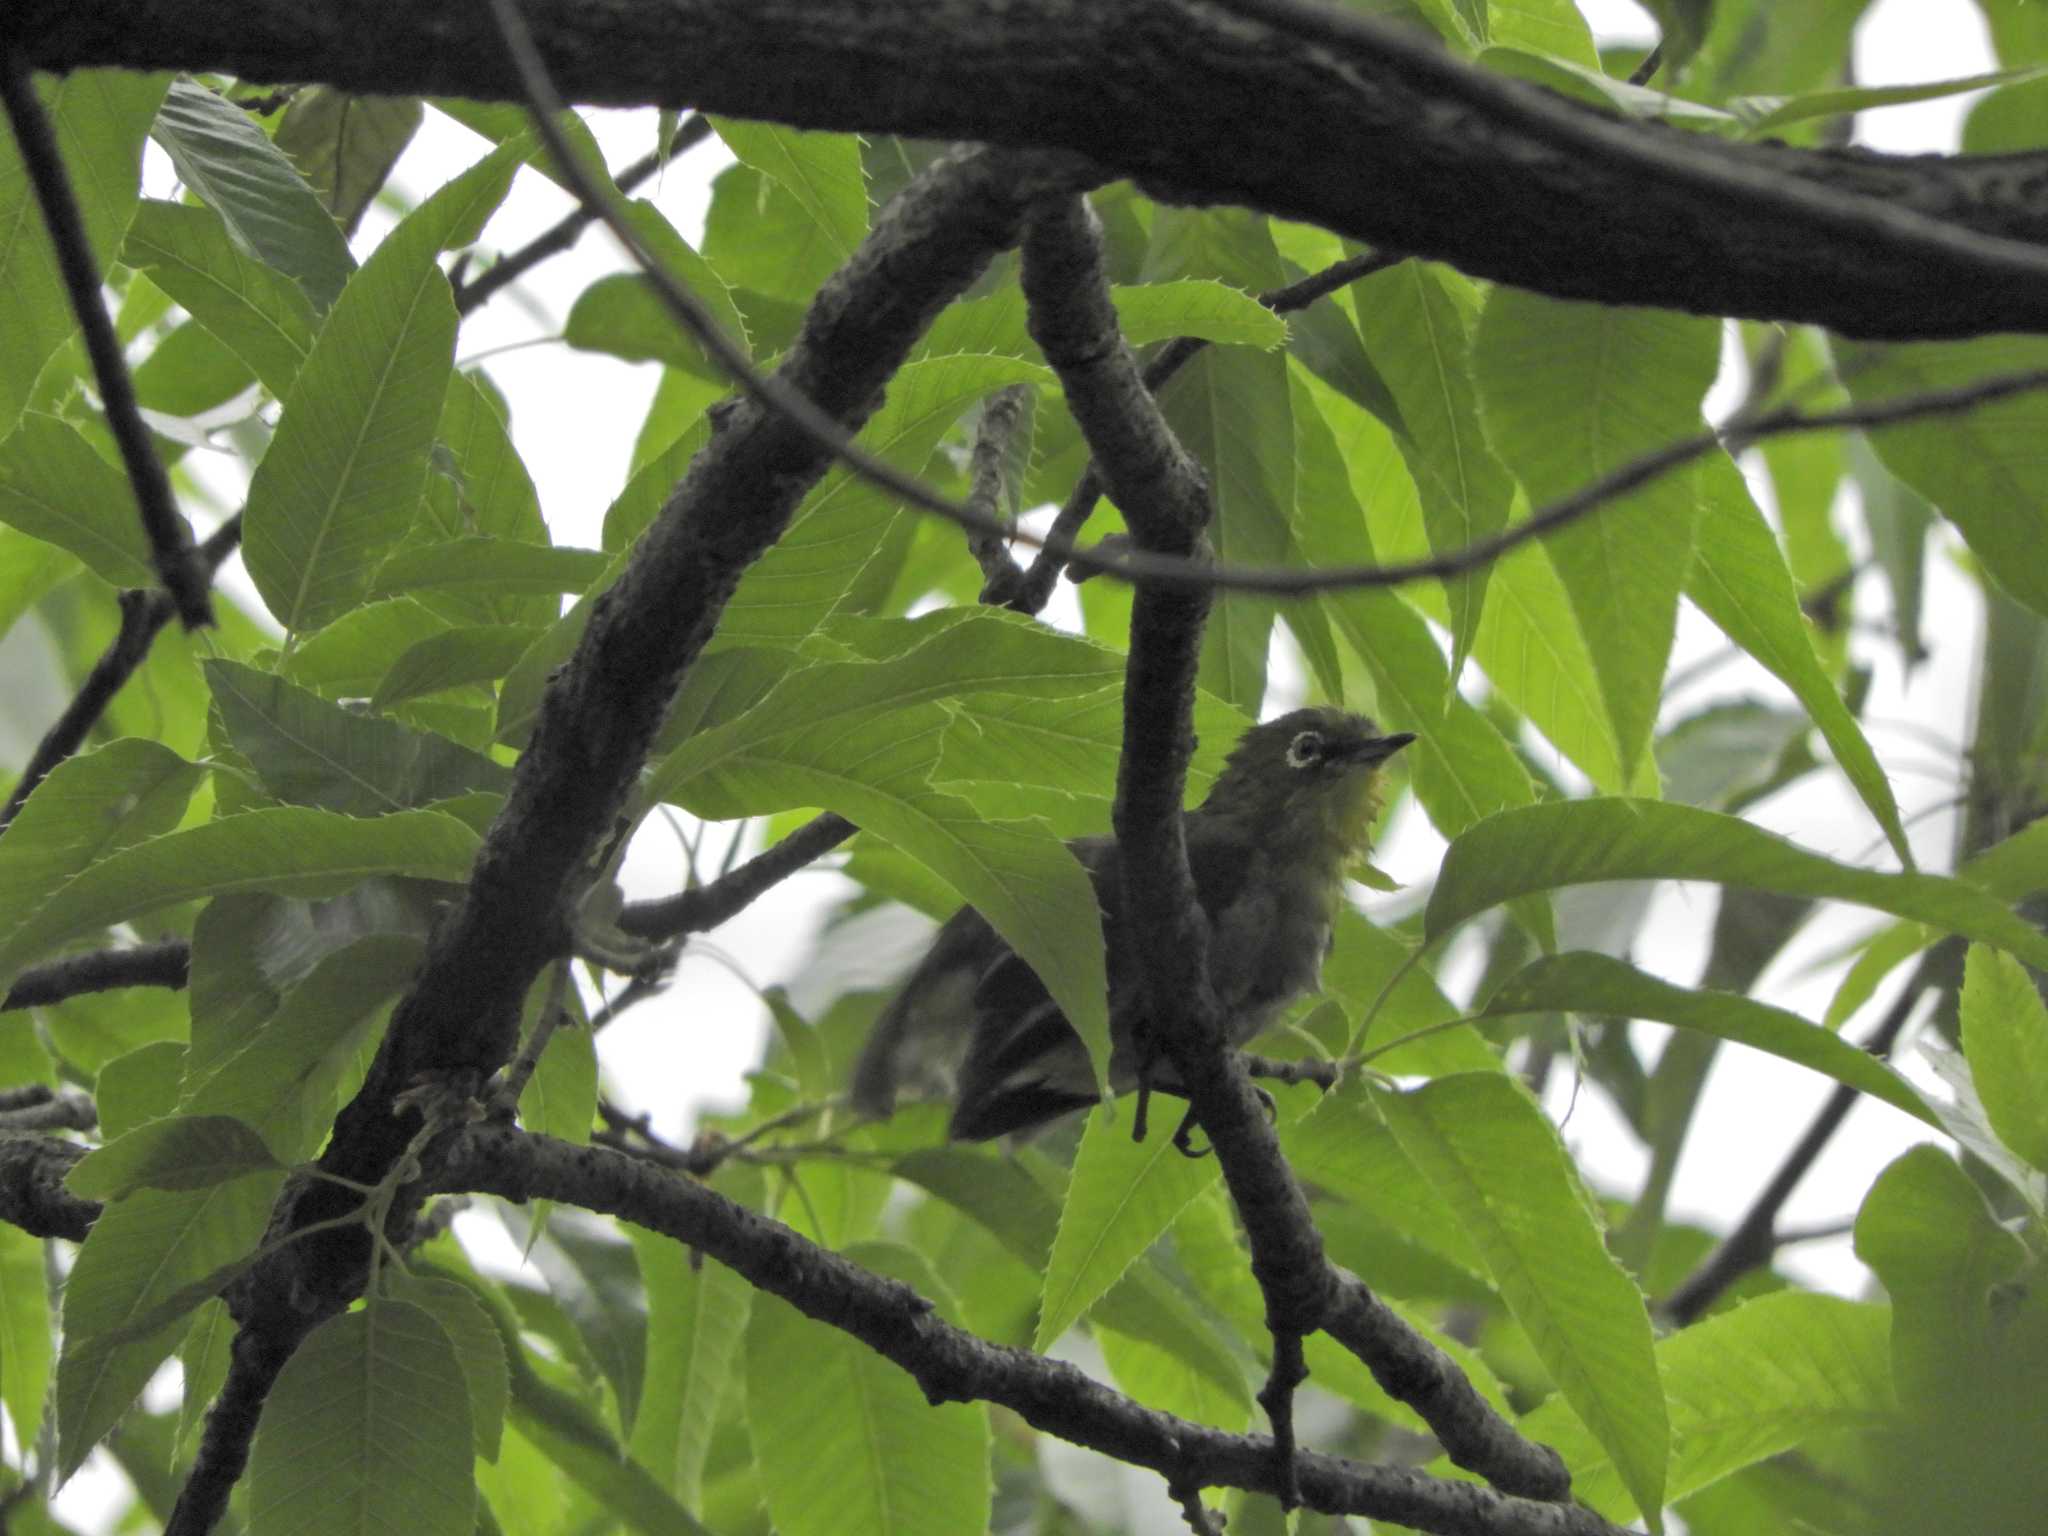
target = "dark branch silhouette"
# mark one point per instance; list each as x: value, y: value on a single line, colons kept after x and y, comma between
x: 952, y: 1365
x: 1386, y: 136
x: 179, y: 566
x: 143, y: 614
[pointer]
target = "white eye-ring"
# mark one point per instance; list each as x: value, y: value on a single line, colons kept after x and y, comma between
x: 1304, y: 750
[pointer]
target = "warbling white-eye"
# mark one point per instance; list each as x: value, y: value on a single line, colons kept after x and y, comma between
x: 1294, y: 805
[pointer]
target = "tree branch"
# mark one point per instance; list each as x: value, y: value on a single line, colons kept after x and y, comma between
x: 473, y: 293
x: 952, y: 1365
x: 32, y: 1192
x: 1029, y: 593
x: 142, y: 615
x: 1309, y: 111
x: 1165, y: 497
x: 1753, y: 1240
x: 178, y: 565
x: 707, y: 906
x: 102, y: 970
x: 1414, y: 1371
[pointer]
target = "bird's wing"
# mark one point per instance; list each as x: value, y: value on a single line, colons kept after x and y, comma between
x: 924, y: 1030
x: 1025, y: 1064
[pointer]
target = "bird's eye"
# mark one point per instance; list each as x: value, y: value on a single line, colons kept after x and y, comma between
x: 1305, y: 749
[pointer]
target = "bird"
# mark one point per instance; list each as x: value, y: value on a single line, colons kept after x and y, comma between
x: 1294, y: 805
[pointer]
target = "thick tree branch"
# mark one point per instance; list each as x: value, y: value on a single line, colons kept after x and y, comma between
x: 32, y: 1192
x: 179, y: 567
x: 952, y: 1365
x: 1310, y: 111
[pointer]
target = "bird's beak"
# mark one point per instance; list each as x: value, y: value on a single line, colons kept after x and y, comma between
x: 1380, y: 748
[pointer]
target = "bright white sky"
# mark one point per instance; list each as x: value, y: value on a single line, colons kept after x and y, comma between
x: 575, y: 416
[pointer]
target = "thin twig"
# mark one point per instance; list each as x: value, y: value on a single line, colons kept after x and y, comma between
x: 1753, y: 1240
x: 142, y: 615
x: 1001, y: 415
x: 706, y: 906
x: 178, y: 564
x: 473, y: 293
x: 1646, y: 71
x: 520, y: 1073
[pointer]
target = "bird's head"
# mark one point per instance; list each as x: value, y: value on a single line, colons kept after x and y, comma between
x: 1312, y: 777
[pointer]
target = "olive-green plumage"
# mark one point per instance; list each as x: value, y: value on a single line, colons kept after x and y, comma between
x: 1294, y: 805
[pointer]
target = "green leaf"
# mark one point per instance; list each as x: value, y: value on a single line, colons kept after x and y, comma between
x: 1943, y: 1256
x: 367, y: 1431
x: 502, y: 565
x: 1461, y: 767
x: 1767, y: 1377
x: 848, y: 524
x: 1121, y: 1197
x: 1981, y: 468
x: 281, y: 1081
x: 844, y: 1438
x: 260, y: 315
x: 148, y: 1260
x: 231, y: 166
x: 475, y: 1338
x: 453, y: 658
x: 1416, y: 334
x: 308, y: 751
x: 1540, y: 847
x: 54, y: 487
x: 561, y: 1097
x: 1017, y: 1200
x: 1497, y: 1162
x: 2005, y: 1037
x: 1590, y: 983
x: 1231, y: 410
x: 134, y: 1086
x: 101, y: 118
x: 340, y: 483
x: 861, y: 738
x: 577, y: 1442
x: 89, y: 809
x: 291, y: 850
x: 346, y: 145
x: 1551, y: 27
x: 696, y: 1319
x: 183, y: 1152
x: 204, y: 1355
x: 1570, y: 393
x: 821, y: 171
x: 624, y: 316
x: 1740, y: 581
x: 350, y: 657
x: 26, y: 1330
x: 1762, y: 115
